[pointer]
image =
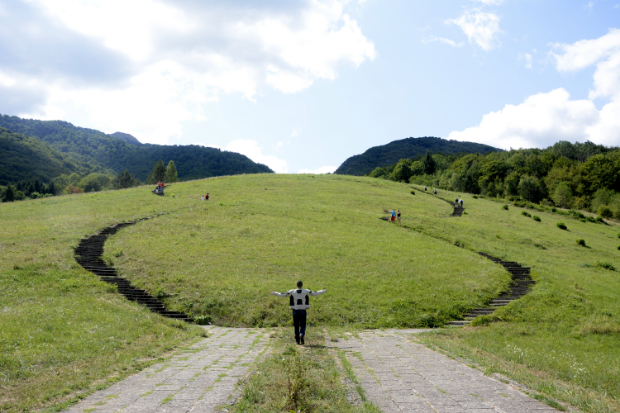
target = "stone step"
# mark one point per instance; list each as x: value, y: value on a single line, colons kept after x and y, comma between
x: 459, y: 323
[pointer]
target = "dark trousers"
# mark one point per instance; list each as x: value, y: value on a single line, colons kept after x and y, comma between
x: 299, y: 320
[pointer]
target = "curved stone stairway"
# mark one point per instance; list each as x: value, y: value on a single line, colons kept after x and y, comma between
x: 520, y: 285
x: 89, y: 254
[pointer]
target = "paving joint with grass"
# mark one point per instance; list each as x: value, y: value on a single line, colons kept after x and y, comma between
x: 399, y: 374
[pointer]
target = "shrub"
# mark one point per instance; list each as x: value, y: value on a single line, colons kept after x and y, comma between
x: 475, y: 196
x: 536, y: 218
x: 506, y: 208
x: 606, y: 266
x: 554, y: 209
x: 526, y: 214
x: 590, y: 219
x: 599, y: 219
x: 561, y: 225
x: 618, y: 247
x: 619, y: 235
x: 581, y: 242
x: 412, y: 192
x: 583, y: 220
x: 203, y: 320
x: 605, y: 212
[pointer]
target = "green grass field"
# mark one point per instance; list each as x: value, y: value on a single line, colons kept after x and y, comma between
x: 63, y: 332
x: 262, y: 233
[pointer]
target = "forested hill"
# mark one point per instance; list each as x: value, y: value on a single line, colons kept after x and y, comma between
x: 410, y: 148
x: 22, y: 157
x: 99, y: 152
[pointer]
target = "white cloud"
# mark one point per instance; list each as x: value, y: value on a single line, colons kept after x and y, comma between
x: 480, y: 27
x: 431, y: 38
x: 527, y: 59
x: 539, y: 121
x: 490, y: 2
x: 185, y: 54
x: 322, y: 170
x: 604, y: 52
x: 545, y: 118
x: 252, y: 150
x: 125, y: 26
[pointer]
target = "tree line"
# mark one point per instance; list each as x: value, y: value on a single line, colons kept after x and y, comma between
x: 582, y: 176
x: 75, y: 183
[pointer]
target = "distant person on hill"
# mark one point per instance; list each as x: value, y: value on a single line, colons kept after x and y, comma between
x: 456, y: 203
x: 398, y: 217
x: 424, y: 188
x: 461, y: 202
x: 207, y: 197
x: 392, y: 215
x: 299, y: 302
x: 202, y: 198
x: 435, y: 191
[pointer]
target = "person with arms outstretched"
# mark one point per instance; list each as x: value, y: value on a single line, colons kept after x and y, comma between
x: 299, y: 303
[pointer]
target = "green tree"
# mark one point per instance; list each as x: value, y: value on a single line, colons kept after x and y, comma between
x: 563, y: 195
x: 171, y: 172
x: 158, y: 174
x: 124, y: 180
x: 94, y: 182
x: 9, y: 194
x: 602, y: 172
x: 377, y: 172
x: 511, y: 184
x: 530, y: 188
x: 428, y: 164
x: 401, y: 172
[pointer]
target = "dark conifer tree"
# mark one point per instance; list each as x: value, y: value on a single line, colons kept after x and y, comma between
x: 428, y: 164
x: 9, y: 194
x: 158, y: 174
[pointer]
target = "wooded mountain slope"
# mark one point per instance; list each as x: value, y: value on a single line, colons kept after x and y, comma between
x: 23, y: 157
x: 101, y: 152
x: 385, y: 155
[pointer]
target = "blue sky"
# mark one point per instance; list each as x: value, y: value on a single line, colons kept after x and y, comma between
x: 303, y: 85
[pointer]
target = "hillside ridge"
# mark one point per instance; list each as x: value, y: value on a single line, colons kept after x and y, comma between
x: 112, y: 154
x: 408, y: 148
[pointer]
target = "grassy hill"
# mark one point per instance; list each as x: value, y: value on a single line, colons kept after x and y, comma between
x: 101, y: 152
x: 62, y: 331
x: 410, y: 148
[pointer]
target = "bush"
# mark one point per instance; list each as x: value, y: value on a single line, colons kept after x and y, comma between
x: 599, y: 219
x: 605, y: 212
x: 561, y: 225
x: 554, y: 209
x: 505, y: 207
x: 591, y: 219
x: 475, y: 196
x: 581, y: 242
x: 412, y: 192
x: 203, y: 320
x: 618, y: 247
x: 536, y: 218
x: 606, y: 266
x: 526, y: 214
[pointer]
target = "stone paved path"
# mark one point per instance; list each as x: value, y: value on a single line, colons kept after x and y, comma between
x: 196, y: 380
x: 400, y: 375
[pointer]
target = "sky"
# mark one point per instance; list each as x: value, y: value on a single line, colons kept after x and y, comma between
x: 302, y: 85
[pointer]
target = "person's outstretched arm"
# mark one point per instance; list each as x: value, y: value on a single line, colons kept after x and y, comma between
x: 318, y: 292
x: 286, y: 294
